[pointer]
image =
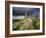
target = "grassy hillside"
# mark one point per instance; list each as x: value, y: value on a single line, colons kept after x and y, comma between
x: 32, y: 23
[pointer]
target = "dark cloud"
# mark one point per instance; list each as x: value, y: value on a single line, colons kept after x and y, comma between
x: 21, y: 11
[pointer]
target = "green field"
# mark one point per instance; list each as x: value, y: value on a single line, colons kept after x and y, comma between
x: 32, y: 23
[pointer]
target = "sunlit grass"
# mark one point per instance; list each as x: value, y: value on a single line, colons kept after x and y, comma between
x: 26, y: 24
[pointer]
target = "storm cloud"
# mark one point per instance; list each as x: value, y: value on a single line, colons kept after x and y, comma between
x: 21, y: 11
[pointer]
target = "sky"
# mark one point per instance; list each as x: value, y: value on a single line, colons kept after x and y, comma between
x: 20, y: 11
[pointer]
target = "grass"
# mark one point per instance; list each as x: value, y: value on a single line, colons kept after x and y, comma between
x: 32, y: 23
